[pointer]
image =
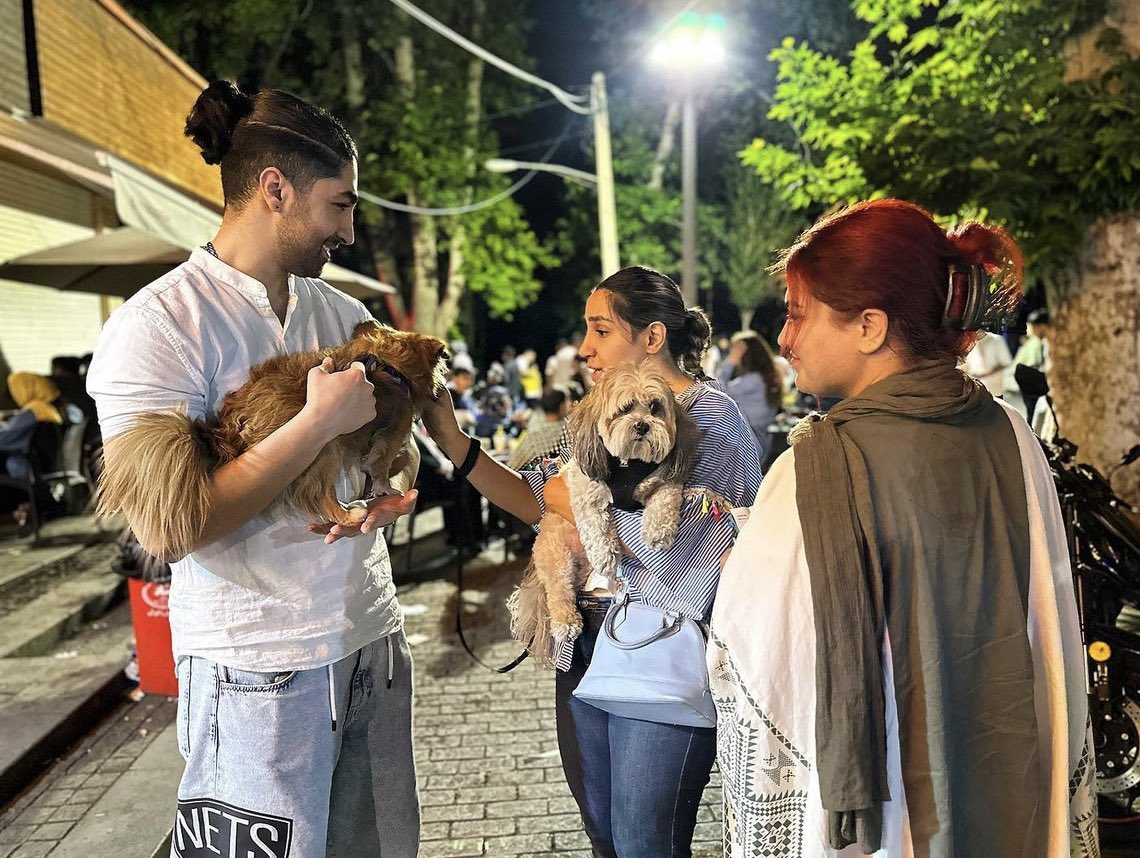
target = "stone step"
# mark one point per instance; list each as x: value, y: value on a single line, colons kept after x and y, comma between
x: 48, y: 702
x: 60, y: 540
x: 37, y: 626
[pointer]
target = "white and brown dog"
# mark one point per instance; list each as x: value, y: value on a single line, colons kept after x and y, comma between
x: 632, y: 446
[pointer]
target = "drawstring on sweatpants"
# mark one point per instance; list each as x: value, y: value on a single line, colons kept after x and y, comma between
x: 332, y: 679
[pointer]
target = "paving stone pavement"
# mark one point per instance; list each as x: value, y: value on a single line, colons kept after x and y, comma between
x: 487, y: 757
x: 42, y: 816
x: 491, y: 780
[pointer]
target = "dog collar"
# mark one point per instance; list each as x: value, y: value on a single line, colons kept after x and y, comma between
x: 372, y: 363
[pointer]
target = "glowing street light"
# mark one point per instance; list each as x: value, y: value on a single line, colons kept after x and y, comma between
x: 689, y: 50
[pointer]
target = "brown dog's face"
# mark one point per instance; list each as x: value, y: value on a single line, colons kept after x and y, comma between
x: 403, y: 362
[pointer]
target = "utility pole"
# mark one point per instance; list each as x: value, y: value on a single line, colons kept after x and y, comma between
x: 689, y: 200
x: 604, y: 168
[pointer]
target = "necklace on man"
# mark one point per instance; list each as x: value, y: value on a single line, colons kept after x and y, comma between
x: 209, y: 248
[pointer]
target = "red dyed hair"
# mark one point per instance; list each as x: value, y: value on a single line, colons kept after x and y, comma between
x: 890, y: 255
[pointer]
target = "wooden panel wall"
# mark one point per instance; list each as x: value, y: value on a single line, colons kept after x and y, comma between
x: 112, y: 85
x: 13, y: 62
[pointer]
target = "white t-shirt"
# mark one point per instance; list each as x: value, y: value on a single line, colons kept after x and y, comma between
x: 271, y: 596
x: 560, y: 365
x: 987, y: 361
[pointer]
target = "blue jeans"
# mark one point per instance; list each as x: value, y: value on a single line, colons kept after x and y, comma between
x: 267, y: 776
x: 638, y: 784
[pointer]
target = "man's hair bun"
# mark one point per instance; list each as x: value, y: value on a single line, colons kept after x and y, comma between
x: 215, y: 115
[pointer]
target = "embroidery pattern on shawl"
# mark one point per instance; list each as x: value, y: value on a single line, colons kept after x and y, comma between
x: 767, y: 820
x: 1084, y: 841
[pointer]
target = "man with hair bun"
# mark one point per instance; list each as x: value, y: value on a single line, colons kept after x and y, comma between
x: 294, y: 675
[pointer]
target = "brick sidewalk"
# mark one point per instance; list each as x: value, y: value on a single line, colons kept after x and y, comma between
x: 491, y: 779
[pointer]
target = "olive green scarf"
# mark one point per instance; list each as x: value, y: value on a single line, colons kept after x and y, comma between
x: 833, y: 497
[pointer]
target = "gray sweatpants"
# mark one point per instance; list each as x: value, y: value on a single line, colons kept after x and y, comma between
x: 268, y: 777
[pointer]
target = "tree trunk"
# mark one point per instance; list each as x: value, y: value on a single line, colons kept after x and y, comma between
x: 373, y: 226
x: 456, y: 276
x: 353, y: 62
x: 1094, y: 343
x: 665, y: 145
x: 746, y: 318
x: 425, y: 236
x: 1094, y: 336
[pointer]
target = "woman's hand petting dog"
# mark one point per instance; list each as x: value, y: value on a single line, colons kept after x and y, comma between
x: 339, y: 402
x: 382, y: 511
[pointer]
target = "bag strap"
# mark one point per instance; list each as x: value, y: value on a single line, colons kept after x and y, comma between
x: 667, y: 628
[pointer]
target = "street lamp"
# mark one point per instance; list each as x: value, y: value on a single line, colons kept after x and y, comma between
x: 692, y: 48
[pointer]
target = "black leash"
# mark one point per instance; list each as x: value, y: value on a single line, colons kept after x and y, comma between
x: 459, y: 599
x: 459, y: 625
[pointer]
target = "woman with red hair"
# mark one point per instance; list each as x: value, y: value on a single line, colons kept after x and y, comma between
x: 895, y: 652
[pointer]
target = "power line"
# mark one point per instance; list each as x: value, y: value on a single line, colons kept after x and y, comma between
x: 443, y: 211
x: 522, y: 147
x: 568, y: 100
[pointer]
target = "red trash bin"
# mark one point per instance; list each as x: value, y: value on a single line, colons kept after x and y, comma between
x: 151, y: 619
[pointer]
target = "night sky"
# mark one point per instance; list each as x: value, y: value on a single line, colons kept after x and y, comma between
x: 566, y: 53
x: 562, y: 45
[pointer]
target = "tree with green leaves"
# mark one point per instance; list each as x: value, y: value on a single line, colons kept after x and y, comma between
x: 417, y: 106
x: 1022, y: 112
x: 759, y: 224
x: 741, y: 224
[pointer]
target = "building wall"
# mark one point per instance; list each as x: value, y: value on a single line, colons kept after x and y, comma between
x: 116, y: 86
x: 38, y: 211
x: 13, y: 62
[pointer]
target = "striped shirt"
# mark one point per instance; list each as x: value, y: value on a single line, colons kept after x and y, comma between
x: 684, y: 578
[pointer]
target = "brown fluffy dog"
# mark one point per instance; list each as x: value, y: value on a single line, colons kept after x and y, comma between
x: 630, y: 415
x: 161, y: 471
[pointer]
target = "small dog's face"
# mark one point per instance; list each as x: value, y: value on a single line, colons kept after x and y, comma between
x: 403, y: 362
x: 637, y: 415
x: 632, y: 414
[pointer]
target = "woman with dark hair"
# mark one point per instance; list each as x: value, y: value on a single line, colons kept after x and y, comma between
x: 638, y: 784
x: 895, y: 651
x: 294, y: 675
x: 750, y: 377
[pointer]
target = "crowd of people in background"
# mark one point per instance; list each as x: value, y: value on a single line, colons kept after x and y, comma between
x: 521, y: 408
x: 520, y: 404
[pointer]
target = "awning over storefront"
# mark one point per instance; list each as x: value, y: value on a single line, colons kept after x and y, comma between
x: 160, y: 228
x: 115, y: 262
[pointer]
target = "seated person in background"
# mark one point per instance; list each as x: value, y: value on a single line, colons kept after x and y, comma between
x: 67, y: 375
x: 436, y: 483
x: 495, y: 409
x: 543, y: 439
x: 34, y: 395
